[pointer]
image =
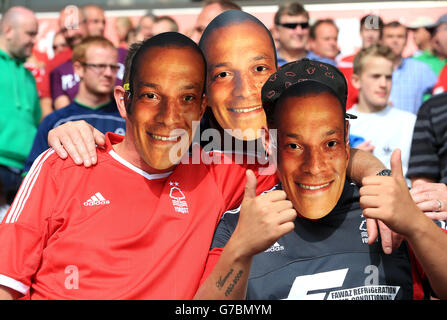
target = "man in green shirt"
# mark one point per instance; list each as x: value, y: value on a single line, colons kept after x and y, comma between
x: 427, y: 51
x: 19, y: 103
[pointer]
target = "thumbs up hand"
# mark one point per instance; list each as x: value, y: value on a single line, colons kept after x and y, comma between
x: 263, y: 219
x: 388, y: 199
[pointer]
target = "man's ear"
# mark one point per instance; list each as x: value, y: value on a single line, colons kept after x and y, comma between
x: 355, y: 80
x: 8, y: 31
x: 268, y: 140
x: 121, y: 99
x: 347, y: 146
x: 78, y: 69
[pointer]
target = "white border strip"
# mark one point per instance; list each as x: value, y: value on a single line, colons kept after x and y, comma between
x: 369, y: 6
x: 14, y: 284
x: 26, y: 187
x: 138, y: 170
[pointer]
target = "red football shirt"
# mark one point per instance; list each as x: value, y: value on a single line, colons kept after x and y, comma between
x: 113, y: 231
x: 441, y: 85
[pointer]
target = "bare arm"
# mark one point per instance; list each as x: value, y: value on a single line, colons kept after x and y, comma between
x: 77, y: 139
x: 262, y: 221
x: 363, y: 164
x: 388, y: 199
x: 45, y: 105
x: 7, y: 293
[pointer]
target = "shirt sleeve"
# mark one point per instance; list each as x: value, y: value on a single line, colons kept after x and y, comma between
x: 25, y: 227
x: 222, y: 235
x: 441, y: 84
x: 56, y: 84
x: 424, y: 159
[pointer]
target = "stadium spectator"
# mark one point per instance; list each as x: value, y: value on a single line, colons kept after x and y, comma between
x: 94, y: 18
x: 59, y: 42
x: 72, y: 25
x: 144, y: 28
x: 439, y: 35
x: 412, y: 79
x: 95, y: 61
x: 323, y: 36
x: 386, y: 128
x: 281, y: 257
x: 164, y: 24
x: 370, y: 33
x: 20, y: 111
x: 64, y: 80
x: 421, y: 36
x: 292, y: 32
x: 210, y: 10
x: 123, y: 25
x: 428, y: 51
x: 427, y: 167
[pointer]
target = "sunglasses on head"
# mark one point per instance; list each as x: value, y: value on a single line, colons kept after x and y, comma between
x: 303, y: 25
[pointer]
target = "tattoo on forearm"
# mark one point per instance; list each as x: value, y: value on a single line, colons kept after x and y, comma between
x: 220, y: 283
x: 232, y: 284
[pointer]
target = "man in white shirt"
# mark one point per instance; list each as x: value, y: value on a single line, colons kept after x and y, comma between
x: 385, y: 127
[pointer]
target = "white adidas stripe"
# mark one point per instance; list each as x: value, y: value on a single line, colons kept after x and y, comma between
x: 99, y: 196
x: 26, y: 187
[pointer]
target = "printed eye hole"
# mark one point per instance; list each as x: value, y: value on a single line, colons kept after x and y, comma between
x: 189, y: 98
x: 222, y: 75
x: 260, y: 68
x: 150, y: 95
x: 293, y: 146
x: 332, y: 144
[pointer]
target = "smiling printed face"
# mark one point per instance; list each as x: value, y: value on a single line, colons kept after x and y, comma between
x: 240, y: 59
x: 166, y: 101
x: 312, y: 152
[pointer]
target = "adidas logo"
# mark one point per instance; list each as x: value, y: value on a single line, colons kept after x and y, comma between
x: 96, y: 200
x: 275, y: 247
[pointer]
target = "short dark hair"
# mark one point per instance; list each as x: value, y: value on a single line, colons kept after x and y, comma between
x: 164, y: 40
x: 395, y: 24
x: 290, y: 9
x: 313, y: 28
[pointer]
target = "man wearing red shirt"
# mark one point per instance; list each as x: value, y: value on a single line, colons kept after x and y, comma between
x: 71, y: 233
